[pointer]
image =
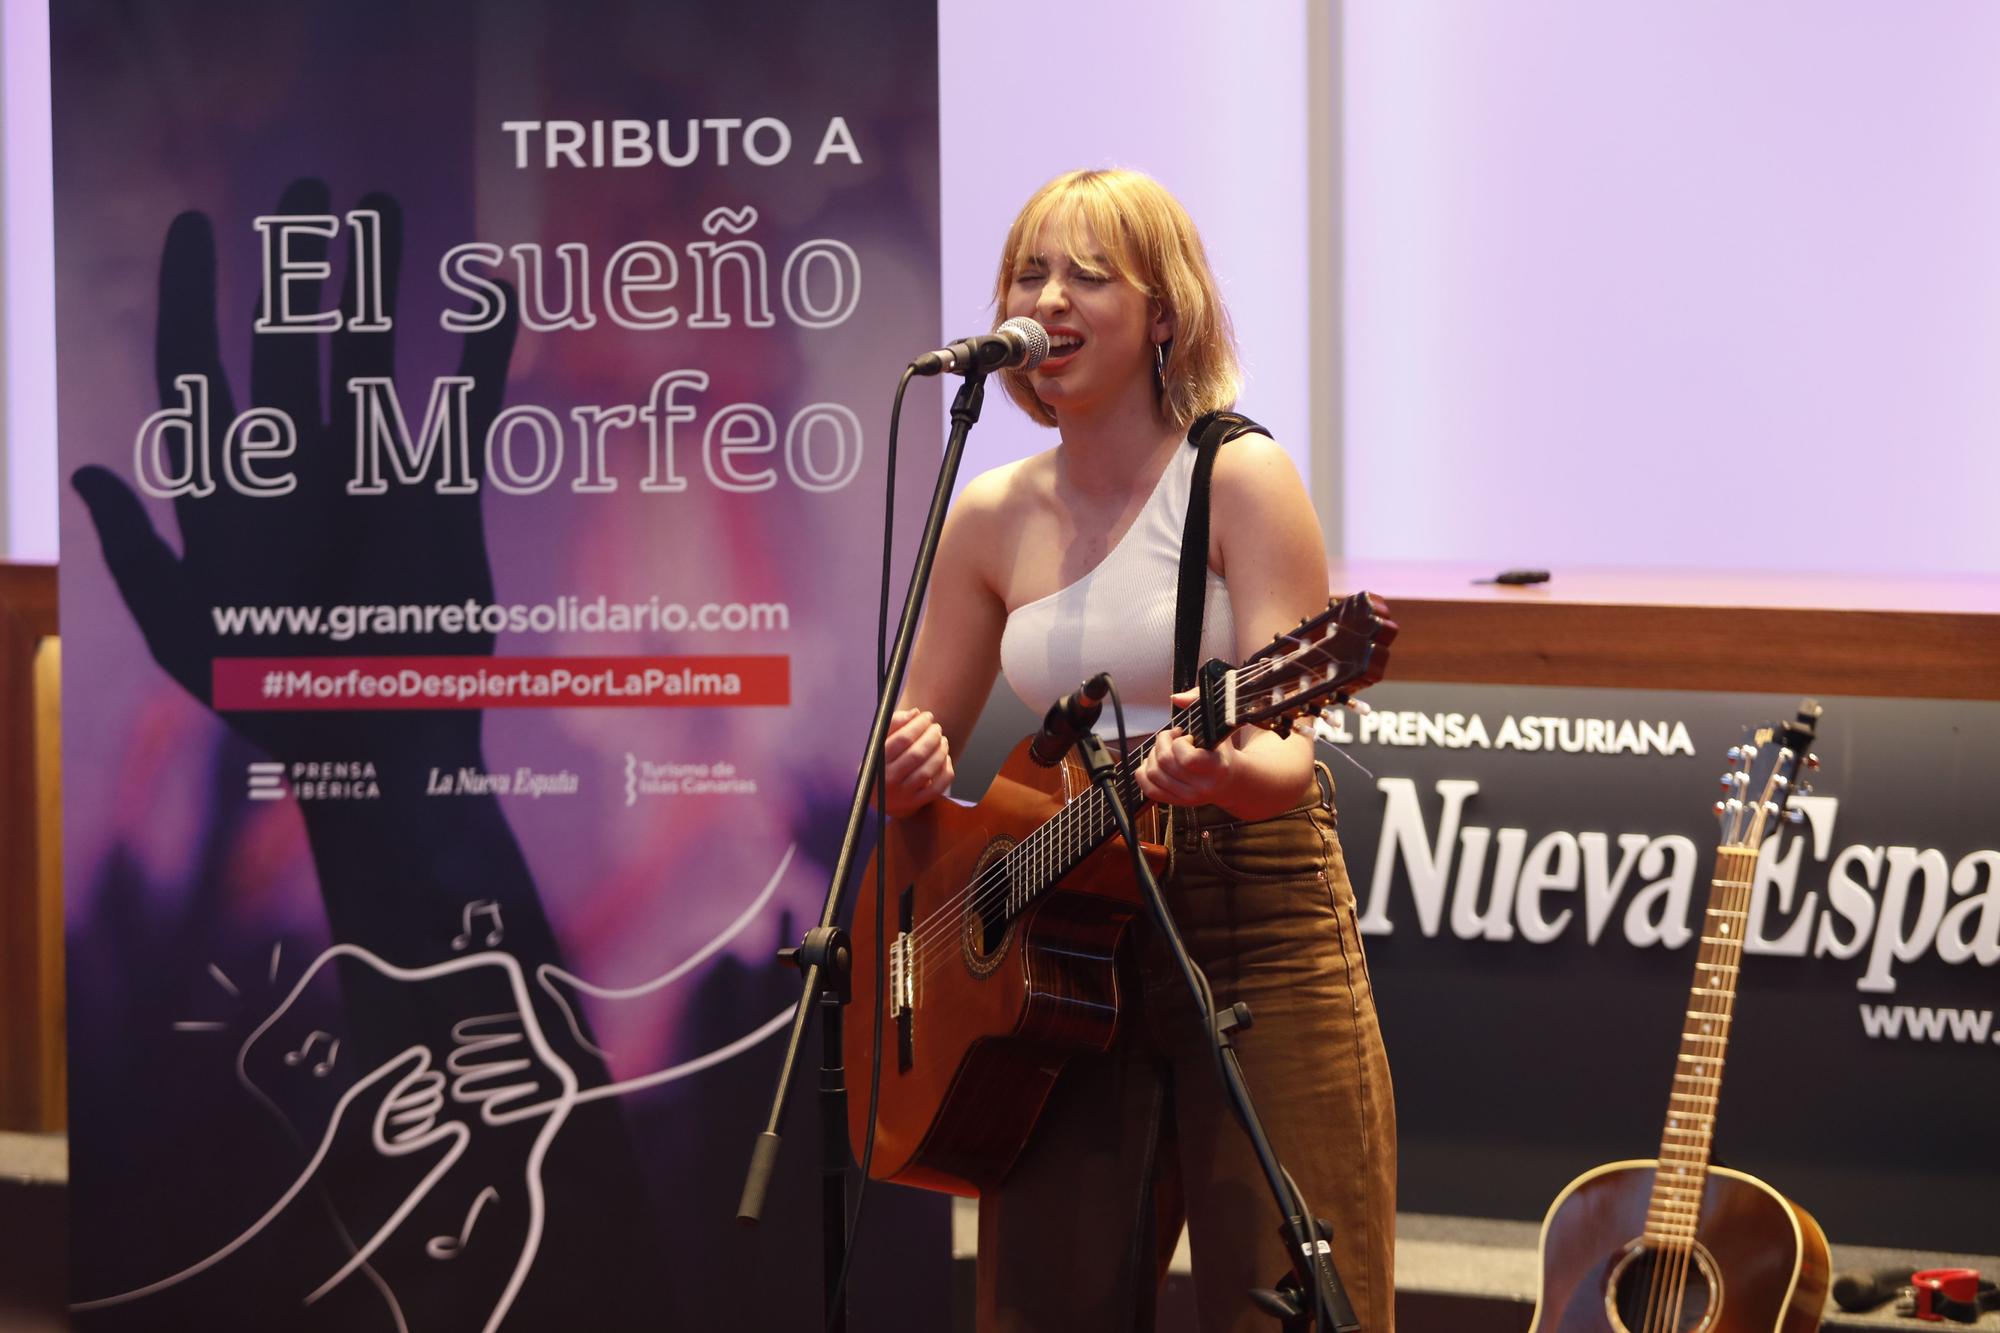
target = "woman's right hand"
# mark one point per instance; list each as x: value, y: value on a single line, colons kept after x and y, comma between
x: 916, y: 761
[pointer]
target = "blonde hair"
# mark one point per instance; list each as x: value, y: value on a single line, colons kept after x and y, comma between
x: 1147, y: 240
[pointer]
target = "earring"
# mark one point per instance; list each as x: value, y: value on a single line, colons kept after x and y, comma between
x: 1160, y: 367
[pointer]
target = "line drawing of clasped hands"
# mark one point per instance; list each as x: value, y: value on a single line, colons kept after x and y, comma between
x: 500, y: 1070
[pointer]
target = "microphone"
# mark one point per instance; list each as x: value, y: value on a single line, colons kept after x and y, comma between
x: 1020, y: 342
x: 1068, y: 718
x: 1859, y: 1292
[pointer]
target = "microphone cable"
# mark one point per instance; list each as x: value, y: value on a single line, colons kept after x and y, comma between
x: 881, y: 832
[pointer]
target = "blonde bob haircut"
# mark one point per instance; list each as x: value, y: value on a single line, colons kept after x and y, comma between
x: 1127, y: 221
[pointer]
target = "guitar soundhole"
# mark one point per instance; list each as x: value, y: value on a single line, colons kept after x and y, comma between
x: 988, y: 923
x: 1670, y: 1291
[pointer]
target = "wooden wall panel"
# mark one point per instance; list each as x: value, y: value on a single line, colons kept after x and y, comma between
x: 50, y: 1021
x: 30, y: 916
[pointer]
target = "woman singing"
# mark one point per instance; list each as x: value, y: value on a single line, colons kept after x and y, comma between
x: 1065, y: 564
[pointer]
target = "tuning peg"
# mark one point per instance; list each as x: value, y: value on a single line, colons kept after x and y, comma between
x: 1805, y: 789
x: 1729, y: 782
x: 1735, y: 754
x: 1780, y: 781
x: 1795, y: 816
x: 1721, y: 809
x: 1812, y: 761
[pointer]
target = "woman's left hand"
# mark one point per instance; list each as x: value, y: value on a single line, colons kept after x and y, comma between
x: 1178, y: 772
x: 1254, y: 774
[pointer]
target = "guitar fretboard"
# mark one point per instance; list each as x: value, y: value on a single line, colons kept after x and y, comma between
x: 1688, y: 1139
x: 1078, y: 829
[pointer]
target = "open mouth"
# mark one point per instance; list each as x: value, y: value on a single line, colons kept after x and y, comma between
x: 1062, y: 344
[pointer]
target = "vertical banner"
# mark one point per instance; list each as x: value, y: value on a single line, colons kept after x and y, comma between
x: 474, y: 420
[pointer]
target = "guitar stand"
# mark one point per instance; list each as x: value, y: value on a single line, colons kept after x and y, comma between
x: 1311, y: 1295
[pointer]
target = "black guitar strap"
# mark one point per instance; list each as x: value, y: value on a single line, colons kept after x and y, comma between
x: 1208, y: 434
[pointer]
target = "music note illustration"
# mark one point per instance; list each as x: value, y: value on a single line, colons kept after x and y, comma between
x: 449, y: 1247
x: 483, y: 907
x: 303, y: 1053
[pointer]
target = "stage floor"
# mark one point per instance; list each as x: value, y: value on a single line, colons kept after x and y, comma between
x: 1453, y: 1274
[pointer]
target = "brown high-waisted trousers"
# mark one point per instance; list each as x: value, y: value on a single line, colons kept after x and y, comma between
x: 1077, y: 1238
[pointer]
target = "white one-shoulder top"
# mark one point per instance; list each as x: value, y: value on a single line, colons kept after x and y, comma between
x: 1119, y: 618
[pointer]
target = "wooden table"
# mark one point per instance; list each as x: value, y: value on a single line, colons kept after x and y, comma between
x: 1932, y: 638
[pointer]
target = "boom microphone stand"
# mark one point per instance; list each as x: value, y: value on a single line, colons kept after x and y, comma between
x: 824, y: 955
x: 1311, y: 1295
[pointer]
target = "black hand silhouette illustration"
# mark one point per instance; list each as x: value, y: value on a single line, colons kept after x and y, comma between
x: 389, y: 871
x: 316, y: 545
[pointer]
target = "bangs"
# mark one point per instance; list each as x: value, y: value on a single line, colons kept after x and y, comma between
x: 1085, y: 226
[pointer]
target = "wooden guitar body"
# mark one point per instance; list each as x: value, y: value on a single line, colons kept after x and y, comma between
x: 984, y: 1003
x: 1759, y: 1265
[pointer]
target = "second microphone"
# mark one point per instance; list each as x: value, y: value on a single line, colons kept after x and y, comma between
x: 1069, y: 718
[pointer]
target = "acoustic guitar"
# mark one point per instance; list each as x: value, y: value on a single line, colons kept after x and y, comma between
x: 1003, y: 918
x: 1678, y: 1244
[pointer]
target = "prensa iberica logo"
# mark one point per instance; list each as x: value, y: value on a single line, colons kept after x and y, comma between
x: 315, y: 780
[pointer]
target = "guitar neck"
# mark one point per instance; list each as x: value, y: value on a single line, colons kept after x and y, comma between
x: 1335, y: 653
x: 1688, y: 1139
x: 1042, y: 858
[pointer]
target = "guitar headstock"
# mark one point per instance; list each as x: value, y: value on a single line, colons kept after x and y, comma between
x: 1766, y: 770
x: 1333, y: 655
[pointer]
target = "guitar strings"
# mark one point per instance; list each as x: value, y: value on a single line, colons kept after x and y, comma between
x: 1730, y: 900
x: 1055, y: 846
x: 1045, y: 849
x: 1667, y: 1296
x: 1027, y: 859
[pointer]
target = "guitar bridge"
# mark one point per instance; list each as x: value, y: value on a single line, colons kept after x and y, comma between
x: 903, y: 982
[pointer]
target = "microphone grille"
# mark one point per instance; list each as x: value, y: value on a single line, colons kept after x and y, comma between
x: 1033, y: 337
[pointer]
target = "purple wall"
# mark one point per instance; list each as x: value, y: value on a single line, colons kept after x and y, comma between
x: 1103, y: 90
x: 1618, y: 277
x: 27, y: 289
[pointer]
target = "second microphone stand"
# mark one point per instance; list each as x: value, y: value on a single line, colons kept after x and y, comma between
x: 1311, y: 1296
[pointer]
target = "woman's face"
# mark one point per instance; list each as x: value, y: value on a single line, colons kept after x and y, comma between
x: 1102, y: 329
